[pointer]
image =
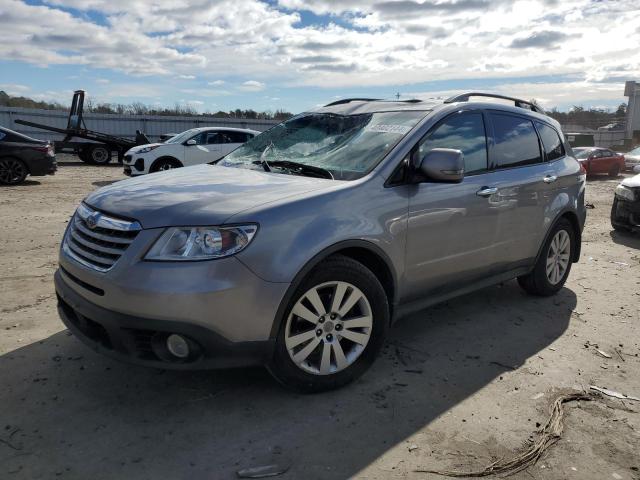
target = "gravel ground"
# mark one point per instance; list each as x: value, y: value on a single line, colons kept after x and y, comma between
x: 459, y: 385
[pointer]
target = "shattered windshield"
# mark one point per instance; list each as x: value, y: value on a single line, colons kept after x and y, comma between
x: 347, y: 146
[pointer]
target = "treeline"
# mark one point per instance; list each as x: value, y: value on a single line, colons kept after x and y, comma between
x: 138, y: 108
x: 590, y: 118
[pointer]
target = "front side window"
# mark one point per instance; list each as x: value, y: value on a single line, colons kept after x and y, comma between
x: 582, y: 153
x: 550, y: 141
x: 464, y: 132
x: 347, y: 146
x: 515, y: 142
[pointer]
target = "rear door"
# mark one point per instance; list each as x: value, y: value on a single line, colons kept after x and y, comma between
x: 235, y: 139
x: 452, y: 231
x: 522, y: 180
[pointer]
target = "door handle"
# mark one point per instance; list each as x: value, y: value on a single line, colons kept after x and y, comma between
x: 487, y: 191
x: 550, y: 179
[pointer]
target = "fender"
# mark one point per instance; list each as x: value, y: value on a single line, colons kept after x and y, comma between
x: 315, y: 260
x: 578, y: 233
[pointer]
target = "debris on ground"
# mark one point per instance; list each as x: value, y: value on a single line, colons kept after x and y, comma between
x: 263, y: 471
x: 413, y: 447
x: 614, y: 394
x: 603, y: 353
x: 548, y: 435
x: 590, y: 206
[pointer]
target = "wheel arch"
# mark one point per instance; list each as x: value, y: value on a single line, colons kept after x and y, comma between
x: 363, y: 251
x: 13, y: 157
x: 572, y: 217
x: 176, y: 162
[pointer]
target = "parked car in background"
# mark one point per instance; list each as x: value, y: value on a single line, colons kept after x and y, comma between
x: 192, y: 147
x: 625, y: 211
x: 600, y: 160
x: 21, y: 156
x: 300, y: 248
x: 632, y: 159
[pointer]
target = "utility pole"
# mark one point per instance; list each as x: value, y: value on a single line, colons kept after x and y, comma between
x: 397, y: 95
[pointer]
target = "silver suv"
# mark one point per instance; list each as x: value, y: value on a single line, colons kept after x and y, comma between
x: 299, y: 249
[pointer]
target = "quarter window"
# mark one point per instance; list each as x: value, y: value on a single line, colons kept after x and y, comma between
x: 515, y: 142
x: 550, y: 141
x: 464, y: 132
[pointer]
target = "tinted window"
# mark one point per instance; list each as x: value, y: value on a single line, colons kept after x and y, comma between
x: 516, y: 142
x: 550, y: 141
x: 237, y: 137
x: 463, y: 132
x: 2, y: 135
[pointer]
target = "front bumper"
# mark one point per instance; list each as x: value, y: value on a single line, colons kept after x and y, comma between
x: 142, y: 341
x: 625, y: 214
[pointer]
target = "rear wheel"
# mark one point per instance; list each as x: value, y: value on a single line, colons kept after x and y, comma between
x: 553, y: 267
x: 12, y: 171
x: 333, y: 327
x: 615, y: 171
x: 99, y: 155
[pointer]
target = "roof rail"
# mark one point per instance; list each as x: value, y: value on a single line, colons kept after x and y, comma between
x: 464, y: 97
x: 347, y: 100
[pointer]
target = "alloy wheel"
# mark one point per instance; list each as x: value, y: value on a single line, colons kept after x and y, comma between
x: 558, y: 257
x: 328, y: 328
x: 12, y: 171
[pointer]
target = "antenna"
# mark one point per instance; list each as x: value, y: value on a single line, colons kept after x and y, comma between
x: 397, y: 95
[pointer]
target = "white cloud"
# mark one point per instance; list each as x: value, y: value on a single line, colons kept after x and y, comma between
x: 365, y: 43
x: 252, y: 86
x: 14, y: 88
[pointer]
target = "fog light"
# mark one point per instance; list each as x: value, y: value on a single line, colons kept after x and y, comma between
x: 178, y: 346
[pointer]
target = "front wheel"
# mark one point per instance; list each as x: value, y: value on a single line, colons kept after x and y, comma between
x: 100, y: 155
x: 554, y: 264
x: 163, y: 164
x: 333, y: 329
x: 12, y: 171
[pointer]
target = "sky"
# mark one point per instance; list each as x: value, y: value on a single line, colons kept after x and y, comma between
x: 297, y: 54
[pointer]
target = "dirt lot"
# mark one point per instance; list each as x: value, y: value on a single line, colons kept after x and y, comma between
x: 459, y: 385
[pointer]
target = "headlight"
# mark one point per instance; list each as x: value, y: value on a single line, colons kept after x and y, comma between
x: 201, y: 243
x: 147, y: 149
x: 624, y: 192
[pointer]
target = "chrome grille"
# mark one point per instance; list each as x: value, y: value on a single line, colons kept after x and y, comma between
x: 97, y: 240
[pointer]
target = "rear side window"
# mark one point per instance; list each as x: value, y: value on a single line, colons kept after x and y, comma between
x: 464, y: 132
x: 236, y: 137
x: 550, y: 141
x: 515, y: 142
x: 2, y: 135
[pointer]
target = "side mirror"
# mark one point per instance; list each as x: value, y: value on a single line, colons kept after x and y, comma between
x: 191, y: 142
x: 443, y: 165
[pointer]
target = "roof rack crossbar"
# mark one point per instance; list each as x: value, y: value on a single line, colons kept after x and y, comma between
x: 464, y: 97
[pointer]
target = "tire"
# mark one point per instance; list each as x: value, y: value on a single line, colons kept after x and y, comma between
x: 12, y: 171
x: 332, y: 354
x: 99, y: 155
x: 538, y: 281
x: 166, y: 163
x: 615, y: 171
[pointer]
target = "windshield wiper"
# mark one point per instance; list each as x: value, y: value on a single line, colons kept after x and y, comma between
x: 302, y: 169
x: 263, y: 158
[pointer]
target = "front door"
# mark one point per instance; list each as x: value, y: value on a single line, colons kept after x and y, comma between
x: 452, y: 234
x: 207, y: 148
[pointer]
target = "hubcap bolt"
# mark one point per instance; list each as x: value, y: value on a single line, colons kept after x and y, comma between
x: 338, y: 327
x: 329, y: 337
x: 333, y: 316
x: 319, y: 332
x: 321, y: 320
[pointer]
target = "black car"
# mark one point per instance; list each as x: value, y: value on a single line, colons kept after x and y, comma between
x: 625, y: 211
x: 21, y: 156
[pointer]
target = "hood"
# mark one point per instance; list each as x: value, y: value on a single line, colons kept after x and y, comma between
x: 138, y: 147
x: 632, y: 182
x: 200, y: 195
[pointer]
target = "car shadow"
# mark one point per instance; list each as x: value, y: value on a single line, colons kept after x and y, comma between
x: 80, y: 163
x: 26, y: 183
x: 628, y: 239
x: 69, y: 411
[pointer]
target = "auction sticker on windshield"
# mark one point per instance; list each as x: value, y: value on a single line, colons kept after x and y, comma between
x: 380, y: 128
